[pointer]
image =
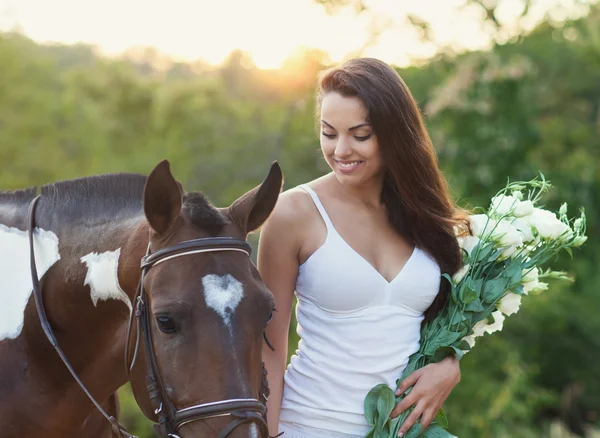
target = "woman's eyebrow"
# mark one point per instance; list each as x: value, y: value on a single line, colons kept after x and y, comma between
x: 359, y: 126
x: 349, y: 129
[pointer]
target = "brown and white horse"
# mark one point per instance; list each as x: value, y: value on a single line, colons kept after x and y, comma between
x: 126, y: 259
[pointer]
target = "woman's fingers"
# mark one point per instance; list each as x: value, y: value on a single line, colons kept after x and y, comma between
x: 411, y: 419
x: 408, y: 382
x: 406, y: 403
x: 427, y: 417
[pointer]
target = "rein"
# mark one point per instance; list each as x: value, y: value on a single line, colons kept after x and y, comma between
x: 244, y: 410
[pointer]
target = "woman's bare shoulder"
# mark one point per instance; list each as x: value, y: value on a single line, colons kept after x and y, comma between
x: 293, y: 207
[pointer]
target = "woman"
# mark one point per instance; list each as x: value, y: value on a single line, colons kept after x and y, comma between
x: 363, y: 248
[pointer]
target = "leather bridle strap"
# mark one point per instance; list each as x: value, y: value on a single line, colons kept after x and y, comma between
x: 195, y: 246
x: 171, y: 419
x: 117, y: 428
x: 217, y: 409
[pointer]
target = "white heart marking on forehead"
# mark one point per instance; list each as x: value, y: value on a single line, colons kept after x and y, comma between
x: 222, y: 293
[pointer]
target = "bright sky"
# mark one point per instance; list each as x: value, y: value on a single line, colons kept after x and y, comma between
x: 269, y: 30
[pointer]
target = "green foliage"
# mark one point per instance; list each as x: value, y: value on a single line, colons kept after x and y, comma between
x: 523, y: 107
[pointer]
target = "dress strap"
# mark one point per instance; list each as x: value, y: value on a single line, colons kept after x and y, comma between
x: 319, y: 206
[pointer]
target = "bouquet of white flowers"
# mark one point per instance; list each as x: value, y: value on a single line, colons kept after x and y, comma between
x: 502, y: 260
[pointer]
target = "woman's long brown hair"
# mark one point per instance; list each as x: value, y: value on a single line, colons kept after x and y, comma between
x: 415, y: 192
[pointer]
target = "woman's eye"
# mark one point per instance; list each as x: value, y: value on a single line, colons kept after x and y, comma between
x: 166, y: 324
x: 328, y: 135
x: 363, y: 138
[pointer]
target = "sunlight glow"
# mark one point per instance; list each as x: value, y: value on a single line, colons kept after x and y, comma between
x: 268, y: 30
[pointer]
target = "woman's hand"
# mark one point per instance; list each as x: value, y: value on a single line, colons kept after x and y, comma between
x: 432, y: 386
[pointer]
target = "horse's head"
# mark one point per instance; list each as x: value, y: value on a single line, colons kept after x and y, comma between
x: 207, y: 309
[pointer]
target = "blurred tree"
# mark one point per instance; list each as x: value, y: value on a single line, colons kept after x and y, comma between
x: 525, y: 106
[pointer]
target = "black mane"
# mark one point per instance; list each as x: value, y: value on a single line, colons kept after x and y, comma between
x: 97, y: 199
x: 18, y: 197
x: 103, y: 198
x: 201, y: 213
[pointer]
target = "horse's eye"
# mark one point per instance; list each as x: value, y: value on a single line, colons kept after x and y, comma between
x: 166, y: 324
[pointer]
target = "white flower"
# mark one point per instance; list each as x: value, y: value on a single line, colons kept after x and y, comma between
x: 524, y: 208
x: 578, y: 241
x: 531, y: 274
x: 509, y: 303
x: 508, y: 237
x: 508, y: 252
x: 497, y: 324
x: 460, y: 274
x: 481, y: 223
x: 501, y: 231
x: 540, y: 287
x: 563, y: 210
x: 548, y: 226
x: 503, y: 205
x: 479, y: 328
x: 530, y: 279
x: 578, y: 224
x: 524, y: 227
x: 468, y: 243
x: 470, y: 340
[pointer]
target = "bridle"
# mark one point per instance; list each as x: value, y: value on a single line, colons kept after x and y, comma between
x: 170, y: 419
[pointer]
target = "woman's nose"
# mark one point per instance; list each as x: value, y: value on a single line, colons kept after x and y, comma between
x: 343, y: 148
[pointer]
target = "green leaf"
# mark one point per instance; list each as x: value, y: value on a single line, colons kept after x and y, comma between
x: 441, y: 419
x: 470, y: 290
x: 395, y: 424
x: 484, y: 252
x: 444, y: 339
x: 436, y: 431
x: 371, y: 401
x: 475, y: 306
x: 414, y: 431
x: 413, y: 364
x: 371, y: 433
x: 513, y: 273
x: 385, y: 403
x: 457, y: 318
x: 493, y: 289
x: 463, y: 346
x: 443, y: 352
x: 453, y: 291
x: 569, y: 250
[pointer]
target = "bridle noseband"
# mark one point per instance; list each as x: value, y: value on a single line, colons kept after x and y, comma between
x: 170, y: 419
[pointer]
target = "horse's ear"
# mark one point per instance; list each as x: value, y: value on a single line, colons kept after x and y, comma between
x: 162, y: 198
x: 250, y: 210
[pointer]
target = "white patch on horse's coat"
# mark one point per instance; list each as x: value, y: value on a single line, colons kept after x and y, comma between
x: 102, y: 277
x: 15, y: 273
x: 222, y: 293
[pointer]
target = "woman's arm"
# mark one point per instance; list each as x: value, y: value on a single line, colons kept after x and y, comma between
x: 278, y: 250
x: 432, y: 386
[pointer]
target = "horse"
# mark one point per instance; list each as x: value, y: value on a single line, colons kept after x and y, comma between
x: 125, y: 277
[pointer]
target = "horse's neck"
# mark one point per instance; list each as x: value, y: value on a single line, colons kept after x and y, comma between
x: 87, y: 303
x: 88, y: 295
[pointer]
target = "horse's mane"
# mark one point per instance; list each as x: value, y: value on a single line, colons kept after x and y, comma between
x: 18, y: 197
x: 102, y: 198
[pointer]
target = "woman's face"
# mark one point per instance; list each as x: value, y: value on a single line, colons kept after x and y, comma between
x: 347, y: 140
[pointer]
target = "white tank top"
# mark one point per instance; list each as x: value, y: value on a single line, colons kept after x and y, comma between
x: 356, y: 330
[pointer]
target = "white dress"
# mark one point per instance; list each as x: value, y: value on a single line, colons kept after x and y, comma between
x: 356, y: 330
